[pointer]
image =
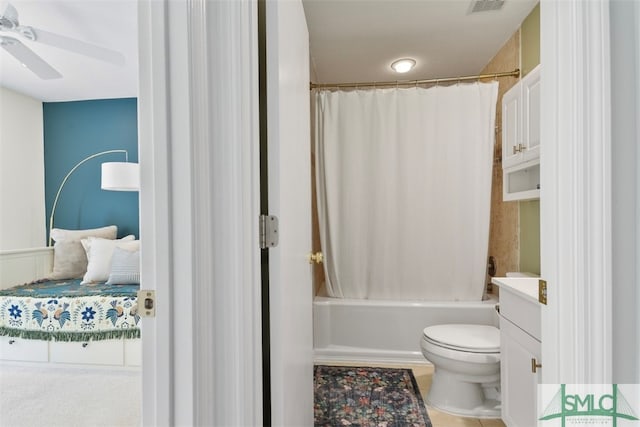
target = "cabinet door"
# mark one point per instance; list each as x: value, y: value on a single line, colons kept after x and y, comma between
x: 24, y: 350
x: 511, y: 129
x: 531, y: 115
x: 519, y: 385
x: 133, y: 352
x: 103, y: 352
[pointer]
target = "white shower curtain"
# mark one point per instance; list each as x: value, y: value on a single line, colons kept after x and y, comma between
x: 404, y: 190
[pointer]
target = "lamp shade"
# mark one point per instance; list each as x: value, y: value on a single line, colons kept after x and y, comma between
x: 120, y: 176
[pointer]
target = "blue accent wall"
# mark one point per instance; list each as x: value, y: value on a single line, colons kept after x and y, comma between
x: 74, y: 131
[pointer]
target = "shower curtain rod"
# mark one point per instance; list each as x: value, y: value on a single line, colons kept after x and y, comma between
x: 514, y: 73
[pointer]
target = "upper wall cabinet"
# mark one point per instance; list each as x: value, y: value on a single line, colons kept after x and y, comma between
x: 521, y: 138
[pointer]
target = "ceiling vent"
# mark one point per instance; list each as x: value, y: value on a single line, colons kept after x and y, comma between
x: 485, y: 5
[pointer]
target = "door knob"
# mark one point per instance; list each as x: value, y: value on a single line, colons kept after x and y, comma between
x: 317, y: 258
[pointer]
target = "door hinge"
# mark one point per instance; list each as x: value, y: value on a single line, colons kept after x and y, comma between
x: 268, y: 231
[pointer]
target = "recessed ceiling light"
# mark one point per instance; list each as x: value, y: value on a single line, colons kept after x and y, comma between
x: 403, y: 65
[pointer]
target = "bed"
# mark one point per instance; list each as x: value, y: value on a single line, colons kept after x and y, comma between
x: 64, y: 321
x: 65, y: 310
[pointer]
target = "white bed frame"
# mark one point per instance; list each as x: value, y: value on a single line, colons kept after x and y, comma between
x: 26, y: 265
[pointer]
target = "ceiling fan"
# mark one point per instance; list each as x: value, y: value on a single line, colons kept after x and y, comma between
x: 9, y: 23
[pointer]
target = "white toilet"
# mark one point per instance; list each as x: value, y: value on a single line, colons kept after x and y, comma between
x: 466, y: 379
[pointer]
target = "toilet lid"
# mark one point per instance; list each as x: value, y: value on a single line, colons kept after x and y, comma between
x: 473, y: 338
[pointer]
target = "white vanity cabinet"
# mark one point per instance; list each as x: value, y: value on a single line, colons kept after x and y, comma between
x: 520, y: 348
x: 518, y: 383
x: 521, y: 139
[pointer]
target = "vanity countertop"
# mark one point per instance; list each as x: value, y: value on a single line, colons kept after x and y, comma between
x: 526, y: 287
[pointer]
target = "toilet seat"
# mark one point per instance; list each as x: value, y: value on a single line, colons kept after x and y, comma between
x: 465, y: 338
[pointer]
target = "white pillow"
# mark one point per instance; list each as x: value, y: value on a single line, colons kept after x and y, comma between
x: 99, y: 253
x: 125, y: 267
x: 108, y: 232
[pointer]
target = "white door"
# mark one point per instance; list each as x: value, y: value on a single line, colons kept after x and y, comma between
x: 289, y: 158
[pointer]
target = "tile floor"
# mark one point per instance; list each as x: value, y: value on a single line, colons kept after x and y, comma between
x: 423, y: 374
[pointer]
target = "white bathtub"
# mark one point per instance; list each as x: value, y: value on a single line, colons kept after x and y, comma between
x: 385, y: 331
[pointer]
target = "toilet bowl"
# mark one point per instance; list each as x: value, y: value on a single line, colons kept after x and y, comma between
x: 466, y: 360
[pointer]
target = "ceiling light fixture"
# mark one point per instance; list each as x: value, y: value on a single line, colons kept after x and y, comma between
x: 403, y: 65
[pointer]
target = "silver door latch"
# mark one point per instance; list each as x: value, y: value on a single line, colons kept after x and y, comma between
x: 146, y: 303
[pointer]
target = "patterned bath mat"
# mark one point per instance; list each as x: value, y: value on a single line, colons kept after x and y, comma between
x: 367, y: 397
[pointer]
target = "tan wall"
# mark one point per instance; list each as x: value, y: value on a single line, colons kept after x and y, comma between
x: 514, y: 237
x: 530, y: 211
x: 530, y: 236
x: 531, y: 41
x: 503, y: 231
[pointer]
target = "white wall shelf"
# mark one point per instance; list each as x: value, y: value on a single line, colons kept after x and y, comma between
x: 521, y: 182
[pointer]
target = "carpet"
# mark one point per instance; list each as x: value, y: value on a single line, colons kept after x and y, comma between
x: 65, y: 396
x: 367, y: 397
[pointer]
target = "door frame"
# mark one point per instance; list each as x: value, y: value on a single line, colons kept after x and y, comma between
x: 575, y: 193
x: 199, y: 162
x: 578, y: 317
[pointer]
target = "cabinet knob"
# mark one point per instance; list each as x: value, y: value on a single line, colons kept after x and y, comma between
x: 518, y: 148
x: 11, y: 341
x: 85, y: 344
x: 535, y: 365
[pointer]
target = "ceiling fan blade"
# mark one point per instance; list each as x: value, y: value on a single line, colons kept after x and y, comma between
x: 78, y: 46
x: 28, y: 58
x: 8, y: 13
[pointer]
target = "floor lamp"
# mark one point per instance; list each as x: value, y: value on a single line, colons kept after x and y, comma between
x: 116, y: 176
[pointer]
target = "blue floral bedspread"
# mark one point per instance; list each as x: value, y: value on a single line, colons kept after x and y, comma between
x: 69, y: 311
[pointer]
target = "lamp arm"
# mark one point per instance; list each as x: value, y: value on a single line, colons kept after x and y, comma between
x: 55, y: 201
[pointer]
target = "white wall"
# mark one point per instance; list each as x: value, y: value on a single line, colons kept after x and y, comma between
x: 625, y: 111
x: 22, y: 215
